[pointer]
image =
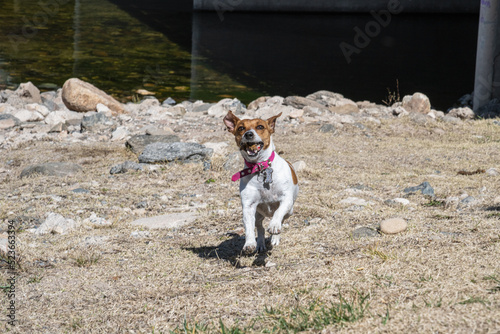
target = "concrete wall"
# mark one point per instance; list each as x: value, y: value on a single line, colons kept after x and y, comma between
x: 410, y: 6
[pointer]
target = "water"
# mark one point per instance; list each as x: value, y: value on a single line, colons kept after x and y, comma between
x: 124, y: 45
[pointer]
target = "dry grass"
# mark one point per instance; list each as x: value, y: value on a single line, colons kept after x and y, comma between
x: 441, y: 275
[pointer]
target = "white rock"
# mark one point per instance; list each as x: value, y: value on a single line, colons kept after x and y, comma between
x: 119, y: 134
x: 417, y: 102
x: 219, y: 148
x: 55, y: 223
x: 296, y: 113
x: 40, y: 108
x: 102, y: 108
x: 25, y: 115
x: 402, y: 201
x: 95, y: 221
x: 223, y: 106
x: 462, y: 113
x: 393, y: 225
x: 492, y: 172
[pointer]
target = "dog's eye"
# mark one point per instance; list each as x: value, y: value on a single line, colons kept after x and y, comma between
x: 241, y: 128
x: 260, y: 127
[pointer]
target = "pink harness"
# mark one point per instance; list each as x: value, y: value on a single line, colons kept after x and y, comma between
x: 253, y: 168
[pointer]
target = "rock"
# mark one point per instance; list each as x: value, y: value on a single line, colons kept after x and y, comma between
x: 424, y: 187
x: 219, y: 148
x: 168, y: 221
x: 28, y: 116
x: 177, y: 111
x: 104, y: 109
x: 400, y: 111
x: 63, y: 116
x: 299, y: 165
x: 52, y: 169
x: 255, y: 104
x: 462, y: 113
x: 223, y: 106
x: 95, y: 240
x: 300, y: 102
x: 234, y: 162
x: 397, y: 202
x: 451, y: 202
x: 97, y: 222
x: 59, y: 127
x: 327, y: 128
x: 168, y: 102
x: 25, y: 94
x: 39, y: 108
x: 169, y: 152
x: 203, y: 108
x: 344, y: 109
x: 8, y: 121
x: 417, y: 102
x: 393, y: 225
x: 451, y: 119
x: 82, y: 96
x: 492, y: 172
x: 364, y: 232
x: 119, y: 134
x: 272, y: 110
x: 4, y: 244
x: 55, y: 223
x: 7, y: 109
x: 96, y: 122
x: 420, y: 118
x: 297, y: 113
x: 125, y: 167
x: 139, y: 142
x: 467, y: 202
x: 355, y: 201
x: 321, y: 96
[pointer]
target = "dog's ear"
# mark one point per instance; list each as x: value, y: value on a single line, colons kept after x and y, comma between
x: 272, y: 122
x: 230, y: 120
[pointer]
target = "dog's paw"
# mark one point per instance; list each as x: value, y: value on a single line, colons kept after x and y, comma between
x: 249, y: 249
x: 275, y: 239
x: 274, y: 229
x: 261, y: 247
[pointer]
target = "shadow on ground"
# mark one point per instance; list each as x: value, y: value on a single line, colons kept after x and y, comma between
x: 230, y: 250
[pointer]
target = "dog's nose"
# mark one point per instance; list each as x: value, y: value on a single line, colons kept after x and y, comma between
x: 249, y: 135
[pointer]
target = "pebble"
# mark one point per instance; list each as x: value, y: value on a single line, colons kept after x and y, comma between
x: 364, y: 232
x: 425, y: 188
x: 59, y: 169
x: 393, y: 225
x: 299, y: 165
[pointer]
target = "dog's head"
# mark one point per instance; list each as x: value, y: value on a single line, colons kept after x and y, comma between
x: 253, y: 136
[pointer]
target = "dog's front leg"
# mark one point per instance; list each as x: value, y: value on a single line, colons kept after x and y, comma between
x: 249, y: 223
x: 283, y: 211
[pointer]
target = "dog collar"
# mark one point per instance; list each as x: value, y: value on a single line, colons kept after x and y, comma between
x: 253, y: 168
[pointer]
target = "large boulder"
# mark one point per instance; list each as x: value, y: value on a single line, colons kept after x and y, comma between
x: 223, y: 106
x: 82, y: 96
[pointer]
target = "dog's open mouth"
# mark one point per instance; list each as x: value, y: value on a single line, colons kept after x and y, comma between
x: 253, y: 149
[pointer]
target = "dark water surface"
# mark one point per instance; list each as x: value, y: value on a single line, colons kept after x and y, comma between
x: 123, y: 45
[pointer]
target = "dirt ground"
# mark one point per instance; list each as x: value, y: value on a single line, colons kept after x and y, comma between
x: 441, y: 275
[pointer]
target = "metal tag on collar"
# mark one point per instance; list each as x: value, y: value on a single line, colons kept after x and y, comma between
x: 268, y: 175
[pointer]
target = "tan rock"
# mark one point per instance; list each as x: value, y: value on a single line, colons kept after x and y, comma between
x: 82, y: 96
x: 393, y: 225
x: 417, y: 102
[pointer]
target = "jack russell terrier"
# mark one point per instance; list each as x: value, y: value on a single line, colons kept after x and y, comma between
x: 268, y: 186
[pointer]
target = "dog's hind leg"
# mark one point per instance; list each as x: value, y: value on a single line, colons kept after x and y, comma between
x: 261, y: 239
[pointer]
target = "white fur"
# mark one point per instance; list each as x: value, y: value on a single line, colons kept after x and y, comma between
x: 259, y: 201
